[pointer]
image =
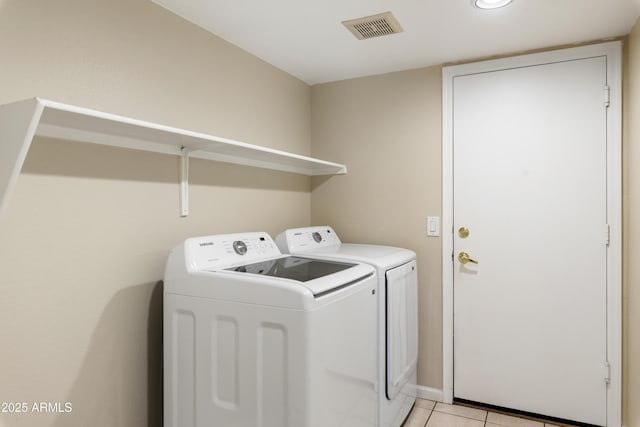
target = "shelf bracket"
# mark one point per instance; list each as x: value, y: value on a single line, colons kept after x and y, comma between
x: 184, y: 182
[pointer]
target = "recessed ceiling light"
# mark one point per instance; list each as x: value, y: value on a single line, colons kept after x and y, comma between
x: 490, y: 4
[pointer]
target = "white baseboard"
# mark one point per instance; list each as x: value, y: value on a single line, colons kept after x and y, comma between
x: 429, y: 393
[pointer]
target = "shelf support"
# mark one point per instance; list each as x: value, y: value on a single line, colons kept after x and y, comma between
x: 184, y: 182
x: 18, y: 124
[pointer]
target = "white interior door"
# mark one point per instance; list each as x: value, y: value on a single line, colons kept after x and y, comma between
x: 530, y: 185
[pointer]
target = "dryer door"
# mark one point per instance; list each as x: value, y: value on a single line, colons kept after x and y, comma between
x: 402, y: 326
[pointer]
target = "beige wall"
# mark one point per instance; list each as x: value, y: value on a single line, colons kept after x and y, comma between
x: 86, y: 234
x: 387, y: 129
x: 631, y: 195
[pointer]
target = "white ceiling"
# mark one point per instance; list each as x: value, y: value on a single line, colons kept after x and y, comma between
x: 306, y: 38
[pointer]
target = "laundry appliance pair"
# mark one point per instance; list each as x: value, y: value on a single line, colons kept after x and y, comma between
x: 253, y: 337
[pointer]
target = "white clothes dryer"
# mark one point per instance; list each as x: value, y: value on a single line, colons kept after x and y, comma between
x: 256, y: 338
x: 397, y: 311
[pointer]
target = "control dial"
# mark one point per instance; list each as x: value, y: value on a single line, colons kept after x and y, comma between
x: 317, y: 237
x: 240, y: 247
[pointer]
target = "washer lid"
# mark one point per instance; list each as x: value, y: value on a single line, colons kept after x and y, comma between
x: 294, y: 268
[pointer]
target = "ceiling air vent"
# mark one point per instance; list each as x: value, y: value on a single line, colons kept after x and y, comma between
x: 369, y: 27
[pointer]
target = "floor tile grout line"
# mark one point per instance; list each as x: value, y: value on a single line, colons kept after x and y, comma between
x: 429, y: 417
x: 462, y: 416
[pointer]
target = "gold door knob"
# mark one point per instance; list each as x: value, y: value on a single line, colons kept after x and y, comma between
x: 464, y: 258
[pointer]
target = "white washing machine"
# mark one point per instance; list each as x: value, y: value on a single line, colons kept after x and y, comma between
x: 397, y: 308
x: 253, y: 338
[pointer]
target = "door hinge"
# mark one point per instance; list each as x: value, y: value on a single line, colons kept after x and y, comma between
x: 607, y: 96
x: 607, y: 234
x: 607, y: 373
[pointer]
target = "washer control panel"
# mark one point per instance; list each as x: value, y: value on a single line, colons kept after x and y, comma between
x: 300, y: 239
x: 228, y: 250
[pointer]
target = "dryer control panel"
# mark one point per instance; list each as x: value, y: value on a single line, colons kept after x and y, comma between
x: 300, y: 239
x: 228, y: 250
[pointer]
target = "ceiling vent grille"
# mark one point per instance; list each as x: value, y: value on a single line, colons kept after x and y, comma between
x: 369, y: 27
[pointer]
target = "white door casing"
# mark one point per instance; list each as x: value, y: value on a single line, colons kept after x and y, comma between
x: 608, y: 55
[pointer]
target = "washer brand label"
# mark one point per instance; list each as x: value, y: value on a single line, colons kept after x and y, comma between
x: 206, y: 244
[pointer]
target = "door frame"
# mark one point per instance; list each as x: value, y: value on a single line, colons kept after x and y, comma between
x: 613, y: 52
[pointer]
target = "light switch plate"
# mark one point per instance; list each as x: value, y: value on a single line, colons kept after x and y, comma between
x: 433, y: 226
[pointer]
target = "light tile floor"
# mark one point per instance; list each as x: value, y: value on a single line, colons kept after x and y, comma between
x: 432, y: 414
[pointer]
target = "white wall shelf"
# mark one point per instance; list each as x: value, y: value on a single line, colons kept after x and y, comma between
x: 21, y: 121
